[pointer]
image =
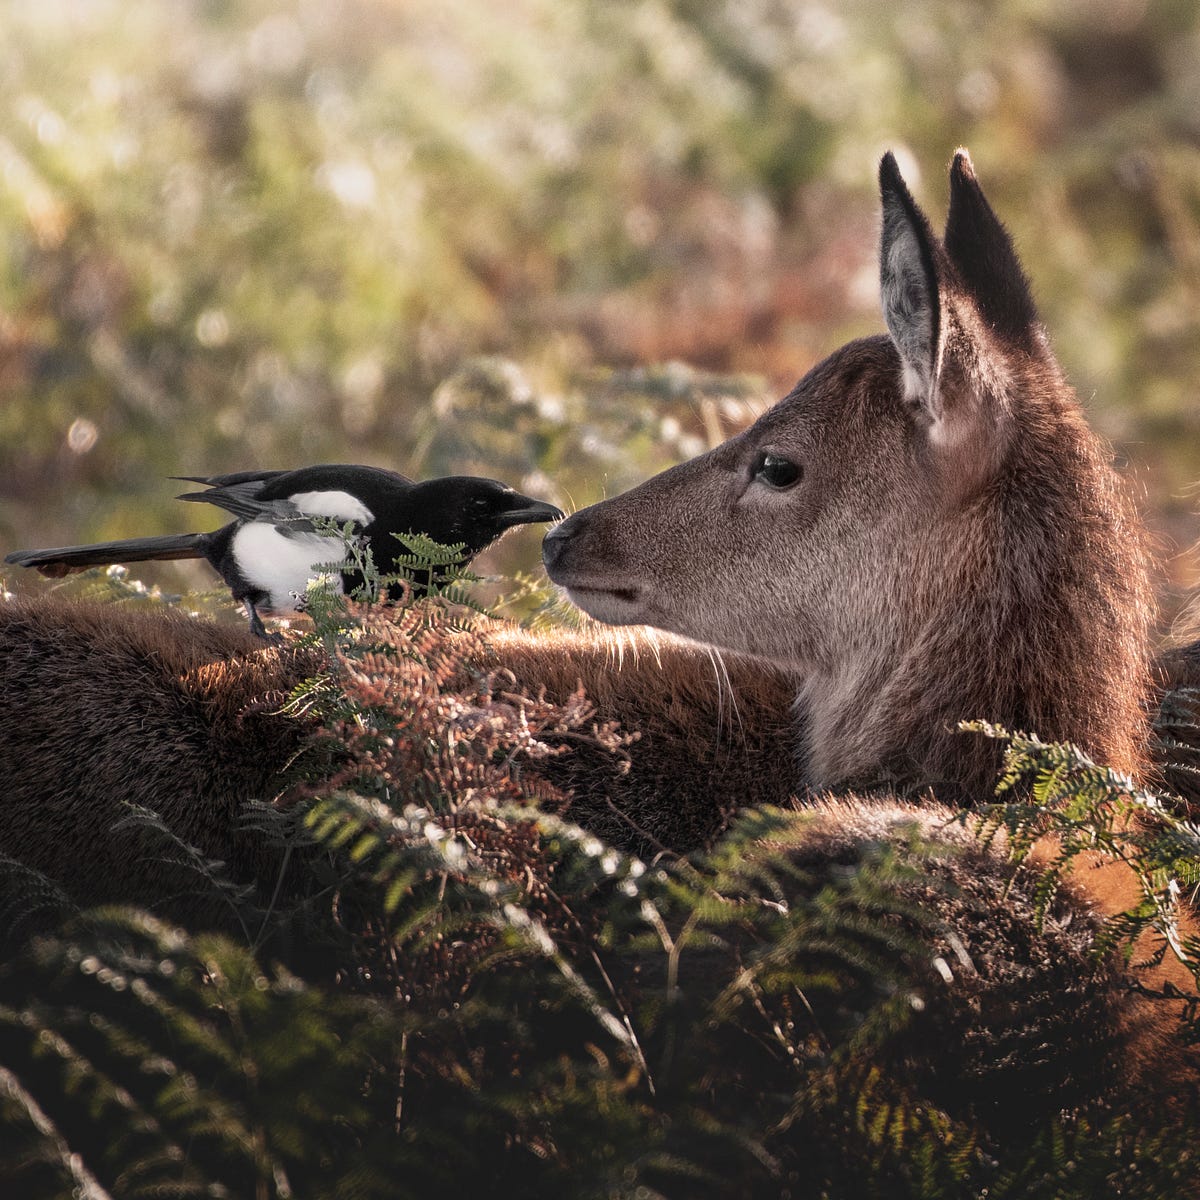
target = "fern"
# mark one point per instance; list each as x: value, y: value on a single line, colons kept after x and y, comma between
x: 468, y: 994
x: 172, y: 1065
x: 1087, y: 807
x: 30, y: 902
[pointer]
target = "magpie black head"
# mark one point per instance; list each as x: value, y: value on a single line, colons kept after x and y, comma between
x: 464, y: 508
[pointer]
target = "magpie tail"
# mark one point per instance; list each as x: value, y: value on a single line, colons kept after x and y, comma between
x: 65, y: 559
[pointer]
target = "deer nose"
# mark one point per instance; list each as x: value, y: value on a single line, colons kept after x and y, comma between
x: 554, y: 544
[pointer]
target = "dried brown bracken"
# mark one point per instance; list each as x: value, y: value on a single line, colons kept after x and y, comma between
x: 437, y: 750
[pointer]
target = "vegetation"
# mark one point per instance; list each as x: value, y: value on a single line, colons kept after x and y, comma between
x: 465, y: 994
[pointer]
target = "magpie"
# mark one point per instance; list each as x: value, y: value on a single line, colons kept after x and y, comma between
x: 271, y: 549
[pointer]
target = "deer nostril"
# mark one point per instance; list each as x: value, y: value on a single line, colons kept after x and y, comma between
x: 554, y: 544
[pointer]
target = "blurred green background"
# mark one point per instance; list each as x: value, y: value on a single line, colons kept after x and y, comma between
x: 560, y: 242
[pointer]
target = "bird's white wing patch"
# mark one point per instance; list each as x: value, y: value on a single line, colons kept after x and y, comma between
x: 282, y: 566
x: 341, y: 506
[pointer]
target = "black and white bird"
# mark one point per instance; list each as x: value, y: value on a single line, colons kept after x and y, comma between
x: 268, y: 554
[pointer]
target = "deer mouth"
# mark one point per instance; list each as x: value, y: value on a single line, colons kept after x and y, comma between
x: 628, y: 594
x: 621, y: 605
x: 593, y: 582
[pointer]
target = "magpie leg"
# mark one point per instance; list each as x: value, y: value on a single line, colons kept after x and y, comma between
x: 258, y: 628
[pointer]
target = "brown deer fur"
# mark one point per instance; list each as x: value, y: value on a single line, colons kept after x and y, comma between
x: 951, y: 540
x: 104, y: 704
x: 102, y: 708
x: 715, y: 733
x: 1030, y: 1025
x: 957, y: 546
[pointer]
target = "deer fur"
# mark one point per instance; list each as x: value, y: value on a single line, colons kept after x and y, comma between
x: 101, y: 709
x: 104, y: 705
x: 953, y: 541
x: 714, y: 733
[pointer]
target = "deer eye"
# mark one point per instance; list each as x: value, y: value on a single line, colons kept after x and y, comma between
x: 777, y: 472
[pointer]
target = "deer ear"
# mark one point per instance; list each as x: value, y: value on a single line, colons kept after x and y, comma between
x: 909, y: 288
x: 983, y: 256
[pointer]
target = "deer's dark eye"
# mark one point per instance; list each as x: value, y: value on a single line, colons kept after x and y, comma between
x: 777, y: 472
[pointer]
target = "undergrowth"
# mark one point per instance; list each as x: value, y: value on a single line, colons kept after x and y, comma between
x: 504, y: 1005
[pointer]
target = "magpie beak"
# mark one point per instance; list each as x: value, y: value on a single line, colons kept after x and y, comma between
x: 528, y: 514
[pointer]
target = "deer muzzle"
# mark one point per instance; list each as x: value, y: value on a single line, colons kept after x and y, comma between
x: 592, y: 581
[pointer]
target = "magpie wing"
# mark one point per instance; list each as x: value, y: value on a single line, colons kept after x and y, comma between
x: 242, y: 499
x: 231, y: 479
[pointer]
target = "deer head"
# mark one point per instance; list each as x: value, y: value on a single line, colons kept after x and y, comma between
x: 924, y: 529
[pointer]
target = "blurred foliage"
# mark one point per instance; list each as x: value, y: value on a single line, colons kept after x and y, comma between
x: 466, y: 236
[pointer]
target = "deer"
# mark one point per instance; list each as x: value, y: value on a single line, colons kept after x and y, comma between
x: 924, y: 529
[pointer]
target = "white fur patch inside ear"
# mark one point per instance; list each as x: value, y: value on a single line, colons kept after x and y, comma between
x: 916, y: 385
x: 907, y: 300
